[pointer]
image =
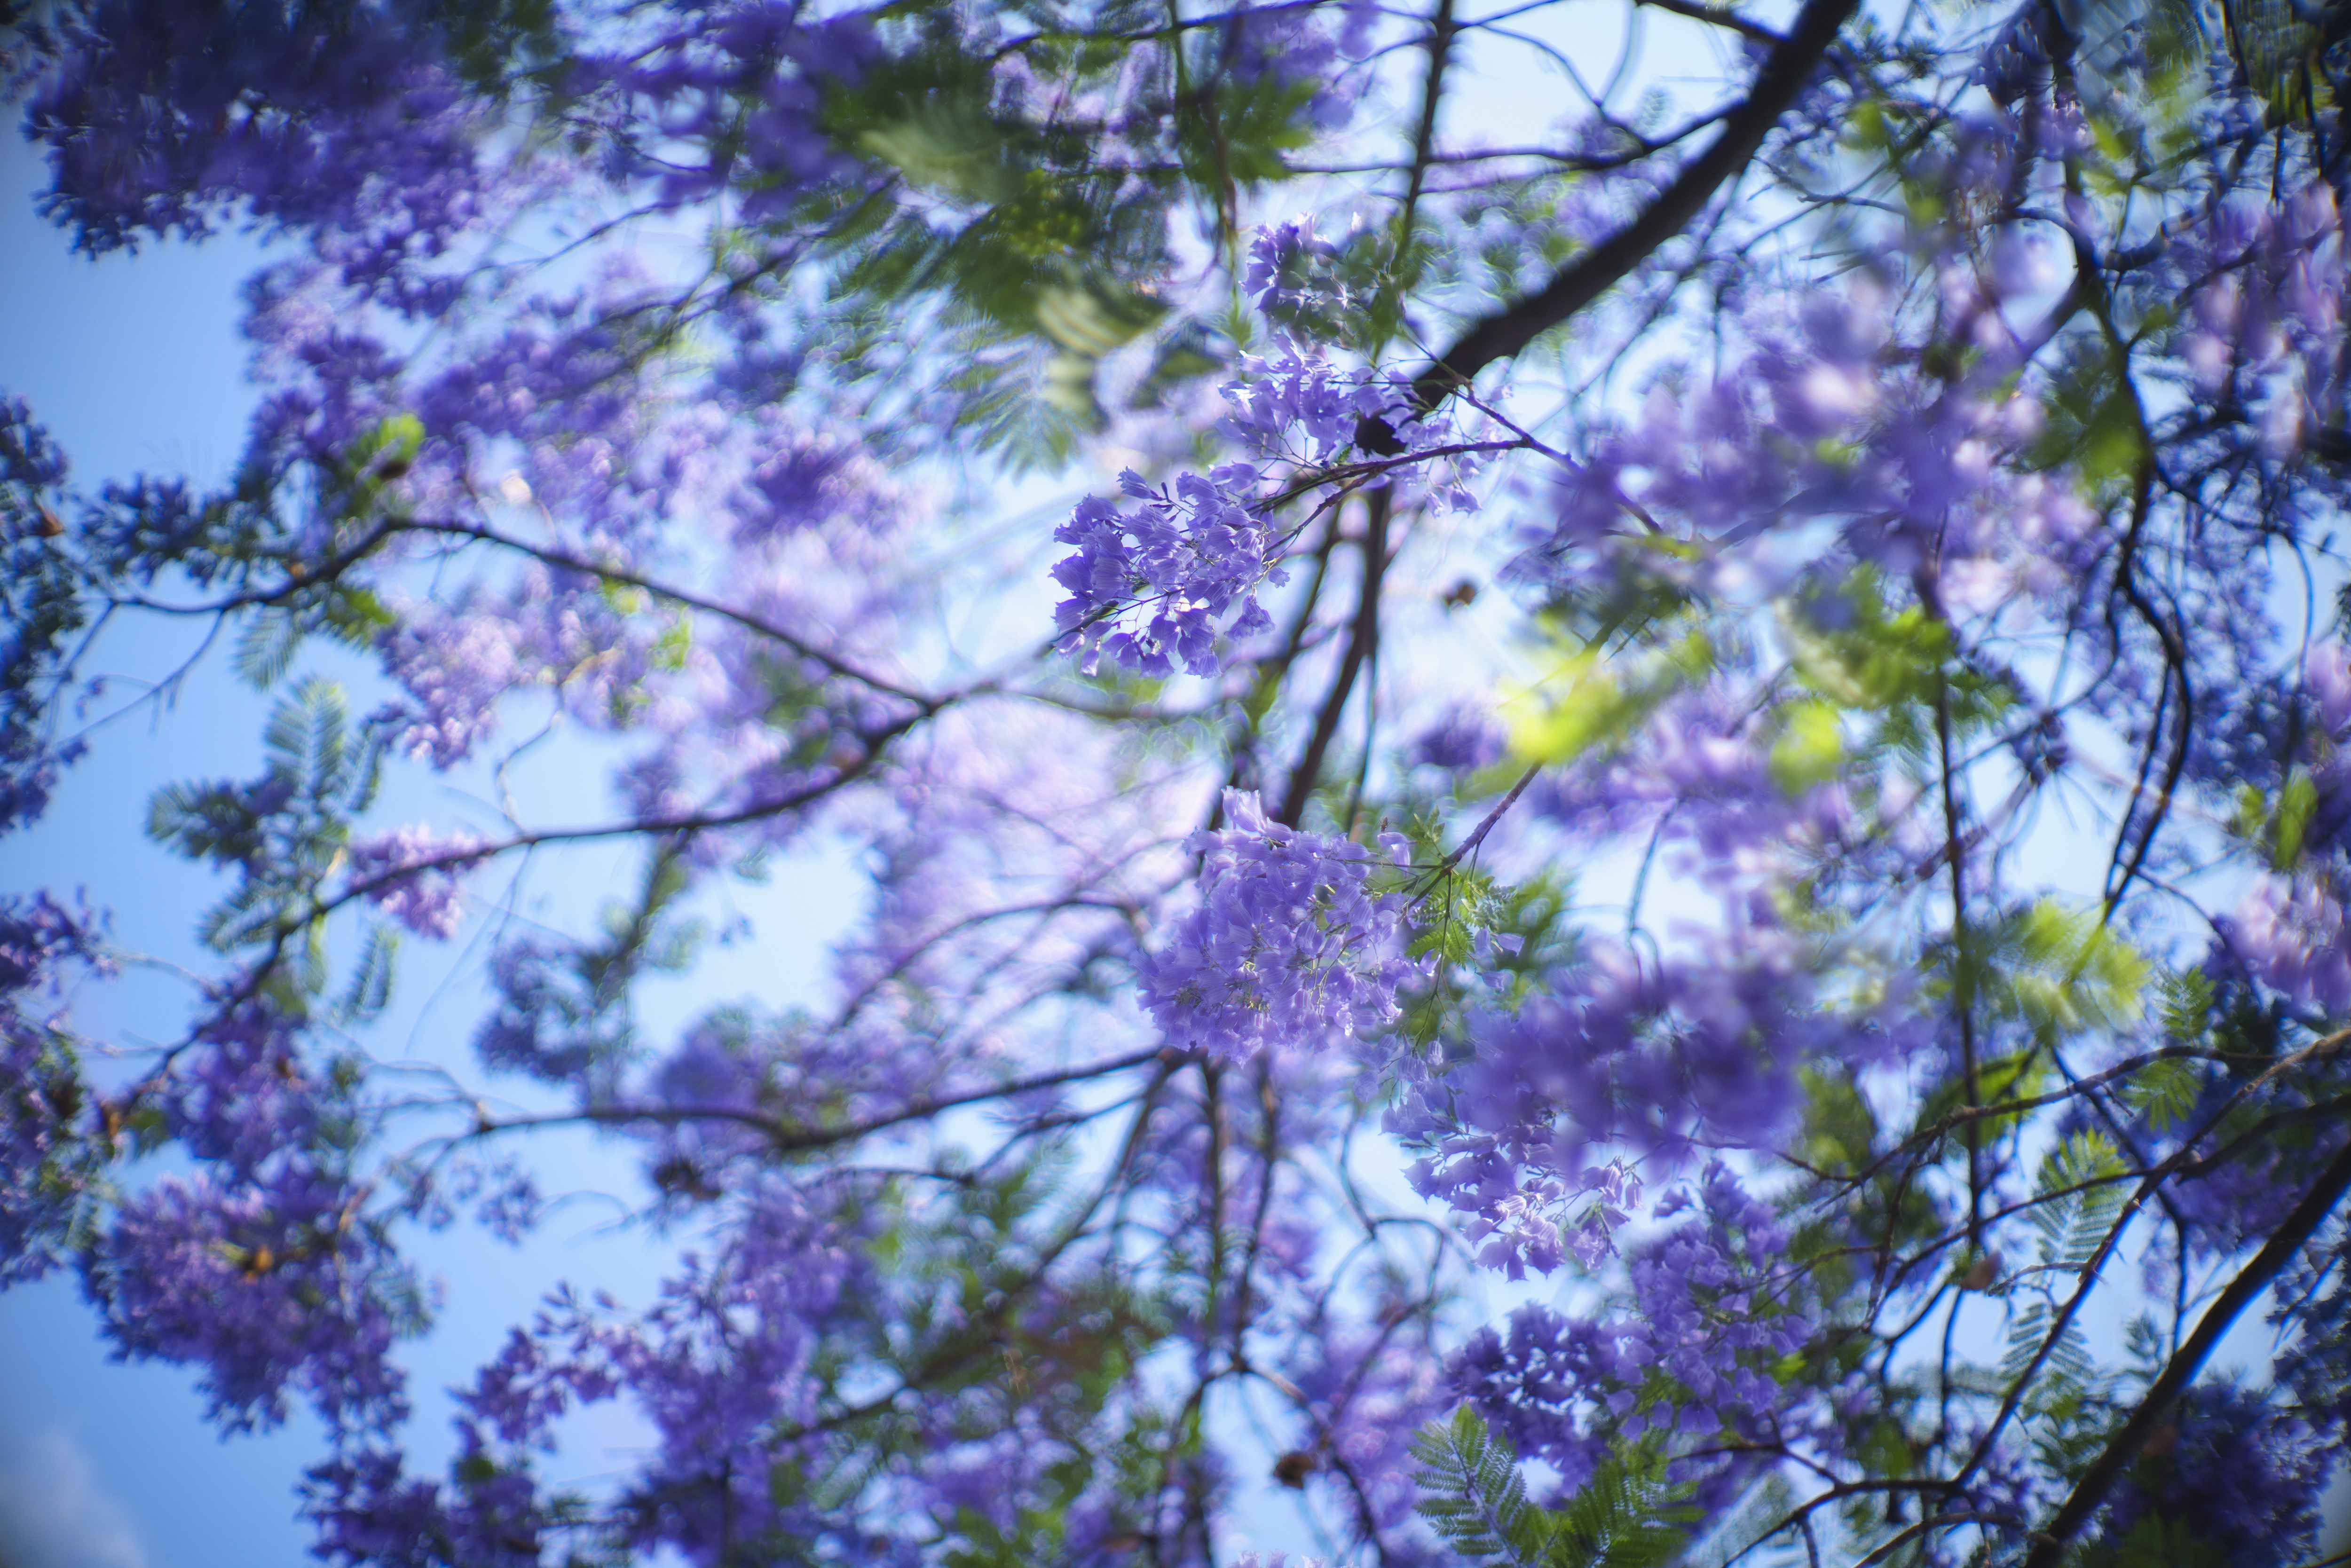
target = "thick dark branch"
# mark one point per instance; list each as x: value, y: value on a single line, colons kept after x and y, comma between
x: 1376, y: 509
x: 2126, y: 1445
x: 1716, y: 16
x: 1784, y: 76
x: 2148, y: 1187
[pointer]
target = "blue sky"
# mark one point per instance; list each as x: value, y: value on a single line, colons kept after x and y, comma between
x: 132, y: 362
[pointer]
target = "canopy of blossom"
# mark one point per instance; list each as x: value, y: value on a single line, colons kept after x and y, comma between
x: 1731, y: 706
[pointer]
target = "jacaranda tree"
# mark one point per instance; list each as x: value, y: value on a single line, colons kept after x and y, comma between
x: 1736, y: 710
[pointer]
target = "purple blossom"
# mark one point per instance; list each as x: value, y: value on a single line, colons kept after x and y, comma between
x: 546, y: 1022
x: 2290, y: 933
x: 1279, y: 258
x: 599, y: 357
x: 1149, y: 587
x: 1152, y: 588
x: 49, y: 1163
x: 161, y: 117
x: 267, y: 1285
x: 1713, y: 1308
x: 2326, y: 671
x: 1463, y: 740
x: 1653, y: 1058
x: 1287, y: 45
x: 2239, y: 1476
x: 1816, y: 425
x: 415, y: 874
x: 1308, y: 411
x: 737, y: 92
x: 2265, y: 288
x: 1290, y: 947
x: 40, y: 611
x: 1293, y: 278
x: 800, y: 477
x: 1365, y: 1392
x: 723, y: 1356
x: 548, y: 632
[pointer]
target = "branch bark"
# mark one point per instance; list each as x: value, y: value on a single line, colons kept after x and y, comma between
x: 2125, y: 1445
x: 1785, y: 73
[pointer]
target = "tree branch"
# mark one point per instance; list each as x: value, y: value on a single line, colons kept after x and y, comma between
x: 1785, y: 74
x: 2124, y: 1445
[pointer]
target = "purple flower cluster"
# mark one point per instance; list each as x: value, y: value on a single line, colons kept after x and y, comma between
x: 1463, y: 739
x: 1713, y: 1308
x: 265, y: 1268
x: 160, y: 117
x: 1822, y: 424
x: 49, y: 1157
x: 1364, y: 1391
x: 1153, y: 587
x: 2287, y: 930
x: 40, y: 611
x: 733, y: 98
x: 595, y: 365
x: 49, y: 1161
x: 368, y: 1511
x: 2239, y: 1475
x: 2263, y: 286
x: 1283, y: 279
x: 272, y: 1283
x: 2290, y: 933
x: 1308, y: 413
x: 715, y: 1366
x: 545, y: 632
x: 415, y: 874
x: 1291, y: 945
x: 1287, y: 47
x: 1657, y: 1056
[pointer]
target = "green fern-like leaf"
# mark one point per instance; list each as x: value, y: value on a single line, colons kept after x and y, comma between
x: 1475, y: 1500
x: 370, y: 984
x: 266, y: 648
x: 2187, y: 1005
x: 1628, y: 1515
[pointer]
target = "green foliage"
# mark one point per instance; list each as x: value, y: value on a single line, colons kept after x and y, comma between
x: 2060, y: 973
x: 1739, y: 1535
x: 2186, y: 1002
x: 41, y: 605
x: 1475, y: 1500
x: 2015, y: 1075
x: 1853, y: 652
x: 2073, y: 1223
x: 2152, y: 1542
x: 283, y: 832
x: 2164, y: 1092
x: 2095, y: 428
x: 2277, y: 826
x: 1810, y: 748
x: 274, y: 635
x: 51, y: 1094
x: 1589, y: 704
x: 1840, y: 1129
x: 1526, y: 924
x: 369, y: 991
x: 495, y: 44
x: 1627, y: 1515
x: 1035, y: 259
